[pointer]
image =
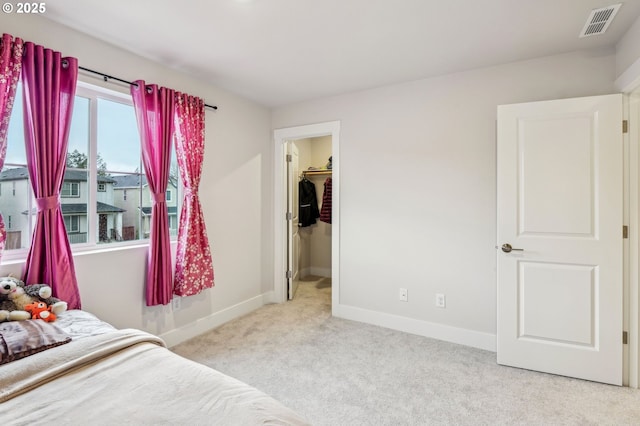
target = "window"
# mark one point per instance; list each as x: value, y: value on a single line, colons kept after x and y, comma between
x: 72, y: 223
x: 105, y: 198
x: 168, y: 195
x: 9, y: 222
x: 70, y: 190
x: 173, y: 222
x: 120, y: 217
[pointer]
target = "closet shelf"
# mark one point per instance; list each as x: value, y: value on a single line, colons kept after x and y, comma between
x: 316, y: 172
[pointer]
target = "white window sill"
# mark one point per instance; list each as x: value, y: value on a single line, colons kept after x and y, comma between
x: 15, y: 257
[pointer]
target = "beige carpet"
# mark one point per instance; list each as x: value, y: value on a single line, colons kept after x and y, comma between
x: 339, y: 372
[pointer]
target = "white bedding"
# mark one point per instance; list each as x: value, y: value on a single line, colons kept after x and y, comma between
x: 106, y: 376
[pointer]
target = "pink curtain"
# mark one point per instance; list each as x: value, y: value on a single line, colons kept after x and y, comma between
x: 194, y: 268
x: 49, y: 86
x: 10, y: 65
x: 154, y: 113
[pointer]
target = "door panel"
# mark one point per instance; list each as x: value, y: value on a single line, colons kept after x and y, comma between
x: 548, y: 149
x: 559, y: 194
x: 293, y: 236
x: 542, y: 317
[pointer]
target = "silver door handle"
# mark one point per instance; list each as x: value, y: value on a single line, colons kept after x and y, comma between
x: 507, y: 248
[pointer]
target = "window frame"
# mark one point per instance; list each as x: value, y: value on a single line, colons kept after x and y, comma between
x: 77, y: 224
x: 93, y: 93
x: 71, y: 184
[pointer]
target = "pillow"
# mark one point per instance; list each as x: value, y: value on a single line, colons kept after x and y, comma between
x: 19, y: 339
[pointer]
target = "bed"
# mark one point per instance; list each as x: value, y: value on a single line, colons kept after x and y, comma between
x: 102, y: 375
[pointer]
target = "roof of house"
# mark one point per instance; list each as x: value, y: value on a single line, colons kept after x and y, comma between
x: 14, y: 174
x: 21, y: 173
x: 128, y: 181
x: 172, y: 210
x: 81, y: 208
x: 133, y: 181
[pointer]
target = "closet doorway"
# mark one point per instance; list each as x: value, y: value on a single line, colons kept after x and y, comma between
x: 306, y: 251
x: 309, y: 189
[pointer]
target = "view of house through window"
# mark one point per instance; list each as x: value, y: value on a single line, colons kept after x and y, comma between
x: 104, y: 196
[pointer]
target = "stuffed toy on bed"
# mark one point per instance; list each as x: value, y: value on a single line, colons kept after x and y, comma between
x: 15, y: 296
x: 42, y: 292
x: 9, y: 310
x: 40, y: 310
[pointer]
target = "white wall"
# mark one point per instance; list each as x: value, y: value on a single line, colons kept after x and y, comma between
x: 417, y: 179
x: 628, y: 49
x: 235, y: 193
x: 417, y: 188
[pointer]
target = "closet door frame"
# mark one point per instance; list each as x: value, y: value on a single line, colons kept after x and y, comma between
x: 281, y: 137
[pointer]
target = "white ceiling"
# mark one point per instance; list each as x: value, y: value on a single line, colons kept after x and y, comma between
x: 278, y: 52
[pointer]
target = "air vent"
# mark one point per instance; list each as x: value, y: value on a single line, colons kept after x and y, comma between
x: 599, y: 20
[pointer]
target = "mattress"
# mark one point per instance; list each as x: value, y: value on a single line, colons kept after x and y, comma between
x: 106, y: 376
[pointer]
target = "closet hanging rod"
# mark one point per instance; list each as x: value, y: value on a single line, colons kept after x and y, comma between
x: 107, y: 77
x: 316, y: 172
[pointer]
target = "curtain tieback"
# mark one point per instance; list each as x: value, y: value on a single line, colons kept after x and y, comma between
x: 159, y: 197
x: 48, y: 203
x: 188, y: 192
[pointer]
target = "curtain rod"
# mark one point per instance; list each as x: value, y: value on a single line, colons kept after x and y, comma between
x: 108, y: 77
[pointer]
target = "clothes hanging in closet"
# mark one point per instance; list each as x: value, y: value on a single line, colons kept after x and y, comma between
x: 308, y: 203
x: 325, y: 211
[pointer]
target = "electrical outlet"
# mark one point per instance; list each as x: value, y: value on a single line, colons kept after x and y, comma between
x: 175, y: 303
x: 440, y: 300
x: 403, y: 295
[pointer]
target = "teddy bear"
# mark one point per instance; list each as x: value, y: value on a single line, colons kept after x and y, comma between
x: 40, y: 310
x: 15, y: 296
x: 43, y: 293
x: 9, y: 310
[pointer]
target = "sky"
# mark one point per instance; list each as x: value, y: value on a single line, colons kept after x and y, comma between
x: 118, y: 139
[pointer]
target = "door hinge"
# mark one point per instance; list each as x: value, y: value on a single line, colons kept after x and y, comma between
x: 289, y: 158
x: 625, y: 231
x: 289, y: 216
x: 289, y: 274
x: 625, y: 126
x: 625, y: 338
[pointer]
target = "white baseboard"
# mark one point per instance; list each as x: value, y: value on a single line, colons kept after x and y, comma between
x: 269, y: 297
x: 202, y: 325
x: 321, y: 272
x: 447, y: 333
x: 317, y: 271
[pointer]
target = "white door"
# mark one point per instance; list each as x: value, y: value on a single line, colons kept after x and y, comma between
x: 293, y: 236
x: 559, y: 202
